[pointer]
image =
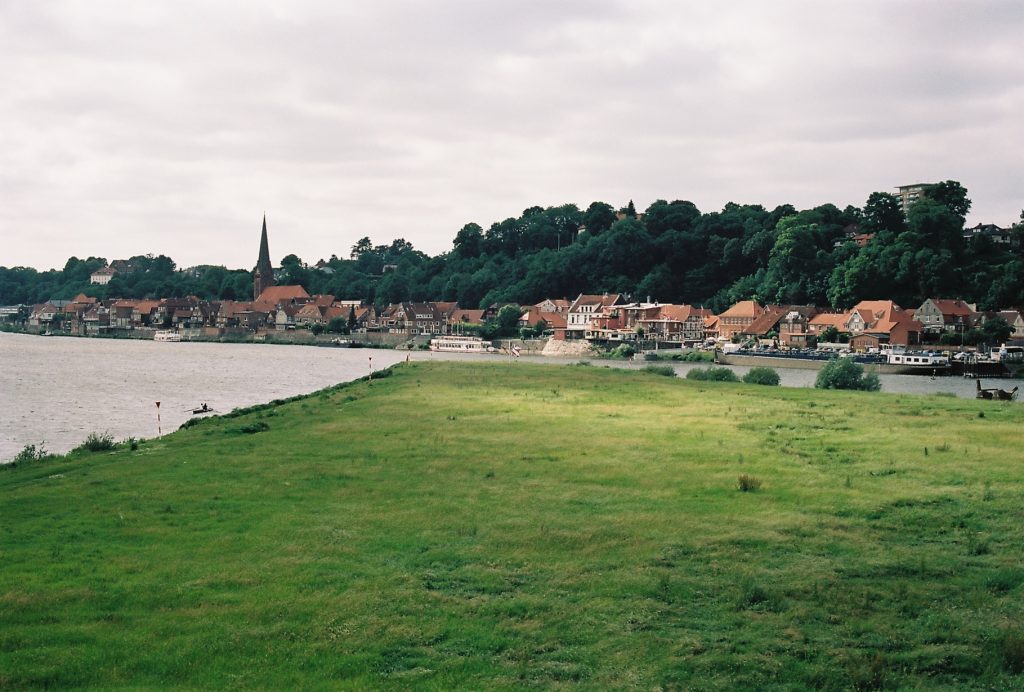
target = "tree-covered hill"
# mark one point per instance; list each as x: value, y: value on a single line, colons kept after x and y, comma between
x: 672, y: 252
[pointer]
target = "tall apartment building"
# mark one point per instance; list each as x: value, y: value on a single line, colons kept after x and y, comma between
x: 911, y: 193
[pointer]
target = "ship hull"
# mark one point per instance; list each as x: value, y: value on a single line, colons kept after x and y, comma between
x: 812, y: 363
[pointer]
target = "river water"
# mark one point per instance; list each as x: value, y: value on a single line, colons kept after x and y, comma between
x: 55, y: 391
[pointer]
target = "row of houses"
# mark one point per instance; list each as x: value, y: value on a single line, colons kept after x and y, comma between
x: 868, y: 324
x: 279, y: 307
x: 599, y: 318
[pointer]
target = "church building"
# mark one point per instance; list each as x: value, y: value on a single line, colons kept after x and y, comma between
x: 263, y: 274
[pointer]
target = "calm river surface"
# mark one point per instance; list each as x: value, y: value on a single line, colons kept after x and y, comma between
x: 55, y: 391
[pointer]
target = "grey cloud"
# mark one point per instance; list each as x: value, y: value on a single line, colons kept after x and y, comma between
x: 175, y: 125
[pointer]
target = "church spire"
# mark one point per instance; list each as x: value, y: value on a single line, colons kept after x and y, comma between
x: 263, y: 274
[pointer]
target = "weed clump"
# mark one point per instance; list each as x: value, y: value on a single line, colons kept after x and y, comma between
x: 694, y: 357
x: 748, y: 484
x: 253, y: 428
x: 1013, y: 651
x: 28, y: 454
x: 97, y: 442
x: 663, y: 370
x: 712, y: 375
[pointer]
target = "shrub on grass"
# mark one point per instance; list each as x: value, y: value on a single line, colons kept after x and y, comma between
x: 765, y: 376
x: 748, y: 484
x: 1004, y: 580
x: 663, y: 370
x: 1013, y: 650
x: 843, y: 373
x: 712, y: 375
x: 623, y: 351
x: 97, y: 442
x: 694, y: 357
x: 253, y: 428
x: 28, y: 454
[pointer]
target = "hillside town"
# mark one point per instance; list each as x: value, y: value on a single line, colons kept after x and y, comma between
x: 289, y: 312
x: 600, y: 319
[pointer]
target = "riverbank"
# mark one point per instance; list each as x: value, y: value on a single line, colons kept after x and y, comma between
x: 457, y: 525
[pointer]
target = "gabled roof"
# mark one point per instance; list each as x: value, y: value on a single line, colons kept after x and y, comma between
x: 744, y: 308
x: 766, y: 321
x: 468, y: 316
x: 415, y: 309
x: 560, y: 304
x: 603, y: 300
x: 278, y: 294
x: 882, y: 316
x: 681, y: 313
x: 146, y: 306
x: 446, y: 308
x: 336, y: 311
x: 824, y: 320
x: 311, y: 310
x: 878, y: 309
x: 952, y: 308
x: 289, y: 310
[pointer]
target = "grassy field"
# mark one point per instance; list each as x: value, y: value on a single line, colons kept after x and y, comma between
x: 496, y: 525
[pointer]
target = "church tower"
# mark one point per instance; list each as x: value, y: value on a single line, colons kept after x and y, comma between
x: 263, y: 274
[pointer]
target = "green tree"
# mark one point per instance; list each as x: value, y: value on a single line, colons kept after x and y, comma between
x: 829, y: 335
x: 996, y: 330
x: 469, y: 241
x: 882, y: 212
x: 362, y: 247
x: 844, y: 373
x: 506, y: 322
x: 952, y: 195
x: 765, y: 376
x: 598, y: 218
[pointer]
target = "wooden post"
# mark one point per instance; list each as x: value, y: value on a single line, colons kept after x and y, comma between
x: 159, y: 432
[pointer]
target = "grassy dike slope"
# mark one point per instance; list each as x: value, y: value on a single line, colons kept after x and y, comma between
x: 496, y: 525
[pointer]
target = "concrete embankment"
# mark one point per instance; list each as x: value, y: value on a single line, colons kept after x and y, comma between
x: 568, y: 349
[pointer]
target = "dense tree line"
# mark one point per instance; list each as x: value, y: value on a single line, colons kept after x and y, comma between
x: 672, y: 252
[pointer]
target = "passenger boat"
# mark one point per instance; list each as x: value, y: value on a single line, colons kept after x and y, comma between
x: 167, y: 335
x: 903, y: 362
x: 461, y: 344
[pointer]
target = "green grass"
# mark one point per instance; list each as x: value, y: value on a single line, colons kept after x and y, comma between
x: 496, y: 525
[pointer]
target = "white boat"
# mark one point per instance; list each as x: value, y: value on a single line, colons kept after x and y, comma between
x: 1008, y: 354
x: 167, y: 335
x: 903, y: 362
x: 461, y: 344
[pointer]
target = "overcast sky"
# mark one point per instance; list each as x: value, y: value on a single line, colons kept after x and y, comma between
x: 170, y: 127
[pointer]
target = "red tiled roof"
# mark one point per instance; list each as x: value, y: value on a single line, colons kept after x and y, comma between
x: 954, y: 308
x: 744, y: 308
x: 471, y: 316
x: 277, y: 294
